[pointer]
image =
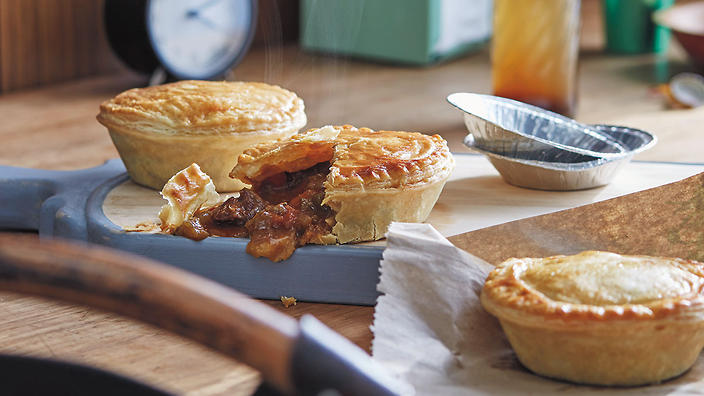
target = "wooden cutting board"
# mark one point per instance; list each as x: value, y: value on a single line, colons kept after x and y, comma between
x: 95, y: 205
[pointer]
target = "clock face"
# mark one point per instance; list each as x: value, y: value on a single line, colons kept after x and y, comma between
x: 199, y: 39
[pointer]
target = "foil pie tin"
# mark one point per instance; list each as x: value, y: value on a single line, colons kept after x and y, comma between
x: 519, y: 130
x: 572, y: 172
x: 535, y: 148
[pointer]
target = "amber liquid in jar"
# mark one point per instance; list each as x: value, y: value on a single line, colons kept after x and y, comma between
x: 534, y: 52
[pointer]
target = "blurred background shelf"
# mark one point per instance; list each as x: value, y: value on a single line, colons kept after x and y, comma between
x: 49, y: 41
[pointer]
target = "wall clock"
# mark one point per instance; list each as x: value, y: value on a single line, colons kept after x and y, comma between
x: 188, y: 39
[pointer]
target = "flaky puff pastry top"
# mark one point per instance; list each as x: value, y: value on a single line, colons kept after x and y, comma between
x: 360, y: 159
x: 595, y: 287
x: 204, y: 108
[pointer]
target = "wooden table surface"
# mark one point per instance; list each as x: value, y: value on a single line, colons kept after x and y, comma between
x: 55, y: 128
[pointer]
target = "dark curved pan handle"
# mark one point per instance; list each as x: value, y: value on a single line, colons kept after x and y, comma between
x: 295, y: 357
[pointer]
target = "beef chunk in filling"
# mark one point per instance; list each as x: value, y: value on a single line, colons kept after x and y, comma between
x: 193, y: 229
x: 273, y: 231
x: 238, y: 211
x: 286, y: 186
x: 280, y: 228
x: 227, y: 219
x: 284, y: 213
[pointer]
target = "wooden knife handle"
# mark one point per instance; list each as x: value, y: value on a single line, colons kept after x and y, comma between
x: 154, y: 293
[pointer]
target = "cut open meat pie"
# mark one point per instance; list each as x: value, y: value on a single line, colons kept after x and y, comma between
x: 324, y: 186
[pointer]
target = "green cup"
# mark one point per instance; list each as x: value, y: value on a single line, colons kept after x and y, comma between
x: 630, y: 28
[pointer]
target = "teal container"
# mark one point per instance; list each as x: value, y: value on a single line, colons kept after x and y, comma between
x: 630, y: 28
x: 416, y: 32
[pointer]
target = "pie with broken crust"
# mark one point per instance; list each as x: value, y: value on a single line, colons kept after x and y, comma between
x: 327, y: 185
x: 600, y: 318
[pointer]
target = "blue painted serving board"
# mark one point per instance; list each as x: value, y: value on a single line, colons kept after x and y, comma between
x: 71, y: 204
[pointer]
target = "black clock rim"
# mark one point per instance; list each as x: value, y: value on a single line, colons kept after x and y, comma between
x: 254, y: 11
x: 127, y: 37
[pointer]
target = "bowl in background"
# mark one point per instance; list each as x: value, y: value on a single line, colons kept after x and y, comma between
x: 576, y: 172
x: 516, y: 129
x: 687, y: 24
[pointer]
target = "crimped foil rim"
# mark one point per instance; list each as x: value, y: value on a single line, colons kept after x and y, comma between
x: 456, y: 98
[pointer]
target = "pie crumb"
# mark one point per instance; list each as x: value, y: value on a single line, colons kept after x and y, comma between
x: 288, y: 301
x: 145, y: 226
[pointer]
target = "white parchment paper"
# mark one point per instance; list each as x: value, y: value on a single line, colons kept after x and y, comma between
x: 431, y: 331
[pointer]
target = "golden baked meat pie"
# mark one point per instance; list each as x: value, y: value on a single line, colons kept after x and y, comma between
x: 162, y: 129
x: 325, y: 186
x: 600, y: 318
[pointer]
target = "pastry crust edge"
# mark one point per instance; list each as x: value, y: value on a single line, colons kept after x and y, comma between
x: 321, y: 144
x: 366, y: 216
x: 114, y: 114
x: 505, y: 294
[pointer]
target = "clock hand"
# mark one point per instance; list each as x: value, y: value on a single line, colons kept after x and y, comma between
x: 208, y: 22
x: 195, y: 12
x: 214, y: 26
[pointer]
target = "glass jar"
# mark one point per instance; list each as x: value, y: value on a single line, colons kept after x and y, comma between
x: 535, y: 48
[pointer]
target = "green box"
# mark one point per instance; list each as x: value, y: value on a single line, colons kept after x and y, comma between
x: 630, y: 28
x: 416, y: 32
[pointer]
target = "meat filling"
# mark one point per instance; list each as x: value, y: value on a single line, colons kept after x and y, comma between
x: 282, y: 213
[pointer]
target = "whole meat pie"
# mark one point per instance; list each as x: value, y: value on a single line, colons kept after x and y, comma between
x: 599, y: 317
x: 325, y: 186
x: 162, y: 129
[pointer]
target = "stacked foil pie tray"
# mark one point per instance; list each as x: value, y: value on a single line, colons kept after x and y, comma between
x: 535, y: 148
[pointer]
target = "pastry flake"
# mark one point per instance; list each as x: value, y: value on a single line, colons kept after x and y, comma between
x: 186, y: 192
x: 288, y: 301
x: 600, y: 318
